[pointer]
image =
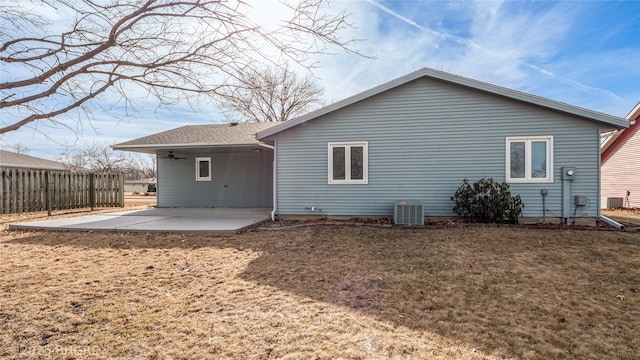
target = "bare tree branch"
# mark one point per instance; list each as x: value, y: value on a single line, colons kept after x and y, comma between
x: 99, y: 157
x: 272, y: 94
x: 171, y: 48
x: 18, y: 148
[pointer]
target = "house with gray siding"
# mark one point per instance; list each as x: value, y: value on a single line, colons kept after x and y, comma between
x: 217, y: 165
x: 414, y: 138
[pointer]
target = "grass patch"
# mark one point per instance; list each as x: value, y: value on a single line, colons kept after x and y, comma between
x: 629, y: 217
x: 322, y: 292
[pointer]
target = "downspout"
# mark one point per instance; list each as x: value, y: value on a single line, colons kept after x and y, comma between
x: 611, y: 222
x: 567, y: 179
x: 157, y: 164
x: 275, y: 186
x: 544, y: 193
x: 599, y: 207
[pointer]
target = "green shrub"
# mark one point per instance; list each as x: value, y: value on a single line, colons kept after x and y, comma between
x: 487, y: 201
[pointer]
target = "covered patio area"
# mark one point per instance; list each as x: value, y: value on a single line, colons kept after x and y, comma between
x: 174, y: 220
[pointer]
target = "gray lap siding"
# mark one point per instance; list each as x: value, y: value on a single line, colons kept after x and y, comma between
x: 238, y: 179
x: 424, y: 138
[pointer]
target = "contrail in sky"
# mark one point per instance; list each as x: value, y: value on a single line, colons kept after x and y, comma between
x: 486, y: 50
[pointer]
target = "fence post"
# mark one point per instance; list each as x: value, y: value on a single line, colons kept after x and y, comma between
x: 121, y: 193
x: 92, y: 191
x: 2, y: 196
x: 1, y: 190
x: 47, y: 190
x: 14, y: 190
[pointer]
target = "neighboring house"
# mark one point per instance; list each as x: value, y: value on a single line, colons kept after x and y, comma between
x: 138, y: 185
x: 14, y: 160
x: 621, y: 165
x: 413, y: 138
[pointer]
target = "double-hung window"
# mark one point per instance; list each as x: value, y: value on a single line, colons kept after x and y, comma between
x: 203, y: 169
x: 348, y: 162
x: 529, y: 159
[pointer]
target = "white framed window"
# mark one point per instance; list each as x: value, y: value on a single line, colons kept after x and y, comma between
x: 529, y: 159
x: 348, y: 162
x: 203, y: 169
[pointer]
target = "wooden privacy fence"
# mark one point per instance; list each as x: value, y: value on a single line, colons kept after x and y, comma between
x: 26, y: 190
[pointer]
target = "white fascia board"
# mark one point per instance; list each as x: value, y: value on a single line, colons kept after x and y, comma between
x: 608, y: 120
x: 340, y: 104
x: 153, y: 147
x: 634, y: 114
x: 529, y: 98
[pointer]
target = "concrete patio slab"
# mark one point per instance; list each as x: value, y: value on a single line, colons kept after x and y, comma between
x: 180, y: 220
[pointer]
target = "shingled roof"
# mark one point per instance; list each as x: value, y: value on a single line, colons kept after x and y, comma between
x: 198, y: 136
x: 15, y: 160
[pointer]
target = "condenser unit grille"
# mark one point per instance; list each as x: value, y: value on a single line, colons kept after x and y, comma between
x: 614, y: 202
x: 408, y: 212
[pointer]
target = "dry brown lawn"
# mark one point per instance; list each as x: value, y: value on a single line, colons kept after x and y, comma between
x: 628, y: 217
x: 322, y: 292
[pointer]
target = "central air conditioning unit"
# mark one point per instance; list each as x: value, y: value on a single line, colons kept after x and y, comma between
x: 408, y: 212
x: 612, y: 202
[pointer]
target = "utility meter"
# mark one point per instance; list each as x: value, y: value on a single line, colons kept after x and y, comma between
x: 568, y: 173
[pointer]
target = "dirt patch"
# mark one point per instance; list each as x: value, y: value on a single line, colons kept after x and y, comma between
x: 357, y: 292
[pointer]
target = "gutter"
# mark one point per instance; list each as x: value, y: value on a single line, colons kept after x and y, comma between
x: 180, y: 145
x: 275, y: 187
x: 36, y: 167
x: 263, y: 144
x: 611, y: 222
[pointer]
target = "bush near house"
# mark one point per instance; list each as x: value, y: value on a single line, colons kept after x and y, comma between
x: 486, y: 201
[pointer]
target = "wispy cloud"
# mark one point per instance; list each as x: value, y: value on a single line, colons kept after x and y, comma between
x: 504, y: 35
x: 402, y: 18
x: 549, y: 49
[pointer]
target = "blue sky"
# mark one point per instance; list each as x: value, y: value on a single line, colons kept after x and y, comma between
x: 584, y: 53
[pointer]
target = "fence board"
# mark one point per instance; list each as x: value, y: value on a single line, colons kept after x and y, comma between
x: 27, y: 190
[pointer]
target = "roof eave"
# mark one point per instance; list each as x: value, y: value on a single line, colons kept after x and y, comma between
x: 605, y: 119
x: 146, y: 148
x: 39, y: 167
x: 633, y: 115
x: 609, y: 121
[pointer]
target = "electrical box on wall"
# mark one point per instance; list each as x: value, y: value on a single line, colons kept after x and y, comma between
x: 581, y: 200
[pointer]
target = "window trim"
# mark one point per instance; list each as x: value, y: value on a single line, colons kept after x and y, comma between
x: 347, y: 162
x: 198, y: 160
x: 527, y: 155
